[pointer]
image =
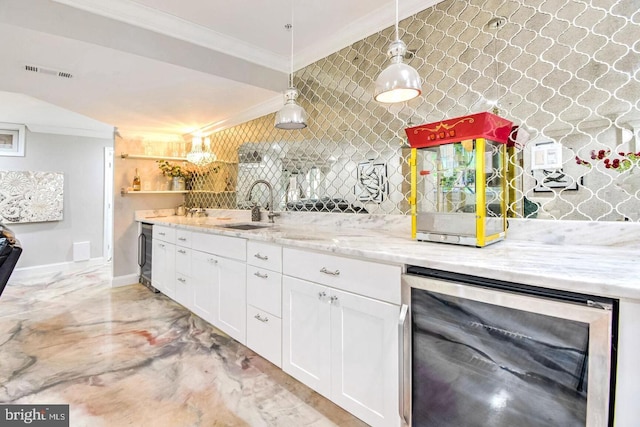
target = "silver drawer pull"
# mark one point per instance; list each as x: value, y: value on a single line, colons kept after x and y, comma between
x: 331, y: 273
x: 180, y: 279
x: 321, y: 295
x: 182, y: 251
x: 334, y: 299
x: 262, y: 257
x: 212, y: 260
x: 262, y: 319
x: 182, y: 239
x: 162, y: 234
x: 161, y: 245
x: 260, y: 275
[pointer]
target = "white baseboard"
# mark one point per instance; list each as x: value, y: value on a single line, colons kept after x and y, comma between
x: 36, y: 271
x: 126, y: 280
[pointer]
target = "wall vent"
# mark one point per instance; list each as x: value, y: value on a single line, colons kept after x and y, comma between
x: 49, y: 71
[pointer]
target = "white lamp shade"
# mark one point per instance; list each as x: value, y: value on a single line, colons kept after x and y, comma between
x: 398, y: 82
x: 291, y: 115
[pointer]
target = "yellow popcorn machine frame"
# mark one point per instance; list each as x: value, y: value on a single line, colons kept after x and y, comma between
x: 458, y: 180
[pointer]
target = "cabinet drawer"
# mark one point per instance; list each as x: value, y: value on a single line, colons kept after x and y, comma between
x: 264, y: 289
x: 166, y: 234
x: 372, y: 279
x: 264, y: 335
x: 228, y: 247
x: 183, y: 238
x: 183, y: 260
x: 264, y: 255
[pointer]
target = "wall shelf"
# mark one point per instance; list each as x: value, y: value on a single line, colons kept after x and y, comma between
x: 175, y: 159
x: 145, y: 157
x: 124, y: 191
x: 213, y: 192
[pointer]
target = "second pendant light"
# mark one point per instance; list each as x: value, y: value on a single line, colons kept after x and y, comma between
x: 398, y: 82
x: 291, y: 115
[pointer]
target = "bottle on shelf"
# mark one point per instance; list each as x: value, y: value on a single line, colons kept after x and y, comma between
x: 136, y: 181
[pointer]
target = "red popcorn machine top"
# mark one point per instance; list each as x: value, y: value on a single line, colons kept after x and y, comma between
x: 458, y: 179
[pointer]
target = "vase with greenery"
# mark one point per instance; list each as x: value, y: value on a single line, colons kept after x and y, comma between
x: 179, y: 174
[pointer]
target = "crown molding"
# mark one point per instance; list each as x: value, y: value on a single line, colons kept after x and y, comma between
x: 160, y: 22
x: 269, y: 106
x: 106, y: 133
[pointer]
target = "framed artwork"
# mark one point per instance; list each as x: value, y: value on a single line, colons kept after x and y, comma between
x: 27, y: 196
x: 12, y: 139
x: 372, y: 185
x: 548, y: 180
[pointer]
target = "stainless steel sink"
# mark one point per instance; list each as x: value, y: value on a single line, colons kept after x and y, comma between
x: 246, y: 226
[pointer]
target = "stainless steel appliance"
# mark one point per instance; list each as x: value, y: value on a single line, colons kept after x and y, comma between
x: 145, y: 249
x: 479, y: 352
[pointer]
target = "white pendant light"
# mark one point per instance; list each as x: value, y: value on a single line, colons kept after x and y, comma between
x: 199, y: 155
x: 398, y: 82
x: 291, y: 115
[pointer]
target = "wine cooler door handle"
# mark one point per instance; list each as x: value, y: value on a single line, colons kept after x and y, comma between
x: 142, y: 250
x: 402, y: 355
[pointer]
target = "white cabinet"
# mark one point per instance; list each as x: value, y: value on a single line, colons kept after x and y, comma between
x: 364, y: 357
x: 204, y: 273
x: 306, y: 335
x: 341, y: 344
x: 231, y: 298
x: 183, y: 279
x: 183, y: 282
x: 219, y: 281
x: 163, y: 256
x: 264, y: 300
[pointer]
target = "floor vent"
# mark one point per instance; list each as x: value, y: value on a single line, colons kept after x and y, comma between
x: 49, y: 71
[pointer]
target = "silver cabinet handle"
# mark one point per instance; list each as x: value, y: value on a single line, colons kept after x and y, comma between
x: 402, y: 355
x: 260, y: 275
x: 182, y: 251
x: 321, y: 295
x: 262, y: 257
x: 212, y: 260
x: 333, y: 299
x: 182, y: 239
x: 262, y: 319
x: 161, y: 245
x: 331, y: 273
x: 162, y: 234
x: 180, y: 279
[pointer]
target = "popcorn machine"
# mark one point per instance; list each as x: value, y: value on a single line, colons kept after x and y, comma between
x: 458, y: 180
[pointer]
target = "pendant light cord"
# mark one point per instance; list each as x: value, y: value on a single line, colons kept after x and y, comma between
x: 397, y: 18
x: 291, y: 29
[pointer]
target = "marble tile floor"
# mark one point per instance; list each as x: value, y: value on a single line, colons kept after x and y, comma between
x: 129, y: 357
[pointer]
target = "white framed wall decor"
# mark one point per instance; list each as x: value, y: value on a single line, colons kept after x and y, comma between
x: 12, y: 139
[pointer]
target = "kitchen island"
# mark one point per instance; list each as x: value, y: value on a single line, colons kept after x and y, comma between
x: 535, y: 253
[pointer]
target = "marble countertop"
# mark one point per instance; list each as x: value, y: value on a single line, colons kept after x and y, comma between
x: 612, y: 271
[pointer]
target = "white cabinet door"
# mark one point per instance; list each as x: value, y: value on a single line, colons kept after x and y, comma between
x: 231, y: 299
x: 205, y: 276
x: 306, y: 333
x: 163, y: 268
x: 364, y: 357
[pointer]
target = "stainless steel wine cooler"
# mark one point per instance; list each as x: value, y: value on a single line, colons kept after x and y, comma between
x: 478, y: 352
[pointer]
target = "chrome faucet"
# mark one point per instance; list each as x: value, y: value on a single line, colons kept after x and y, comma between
x: 271, y: 213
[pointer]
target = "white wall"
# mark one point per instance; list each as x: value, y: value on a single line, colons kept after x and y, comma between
x: 81, y: 159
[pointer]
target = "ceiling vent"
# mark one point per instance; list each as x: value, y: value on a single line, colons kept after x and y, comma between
x: 49, y: 71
